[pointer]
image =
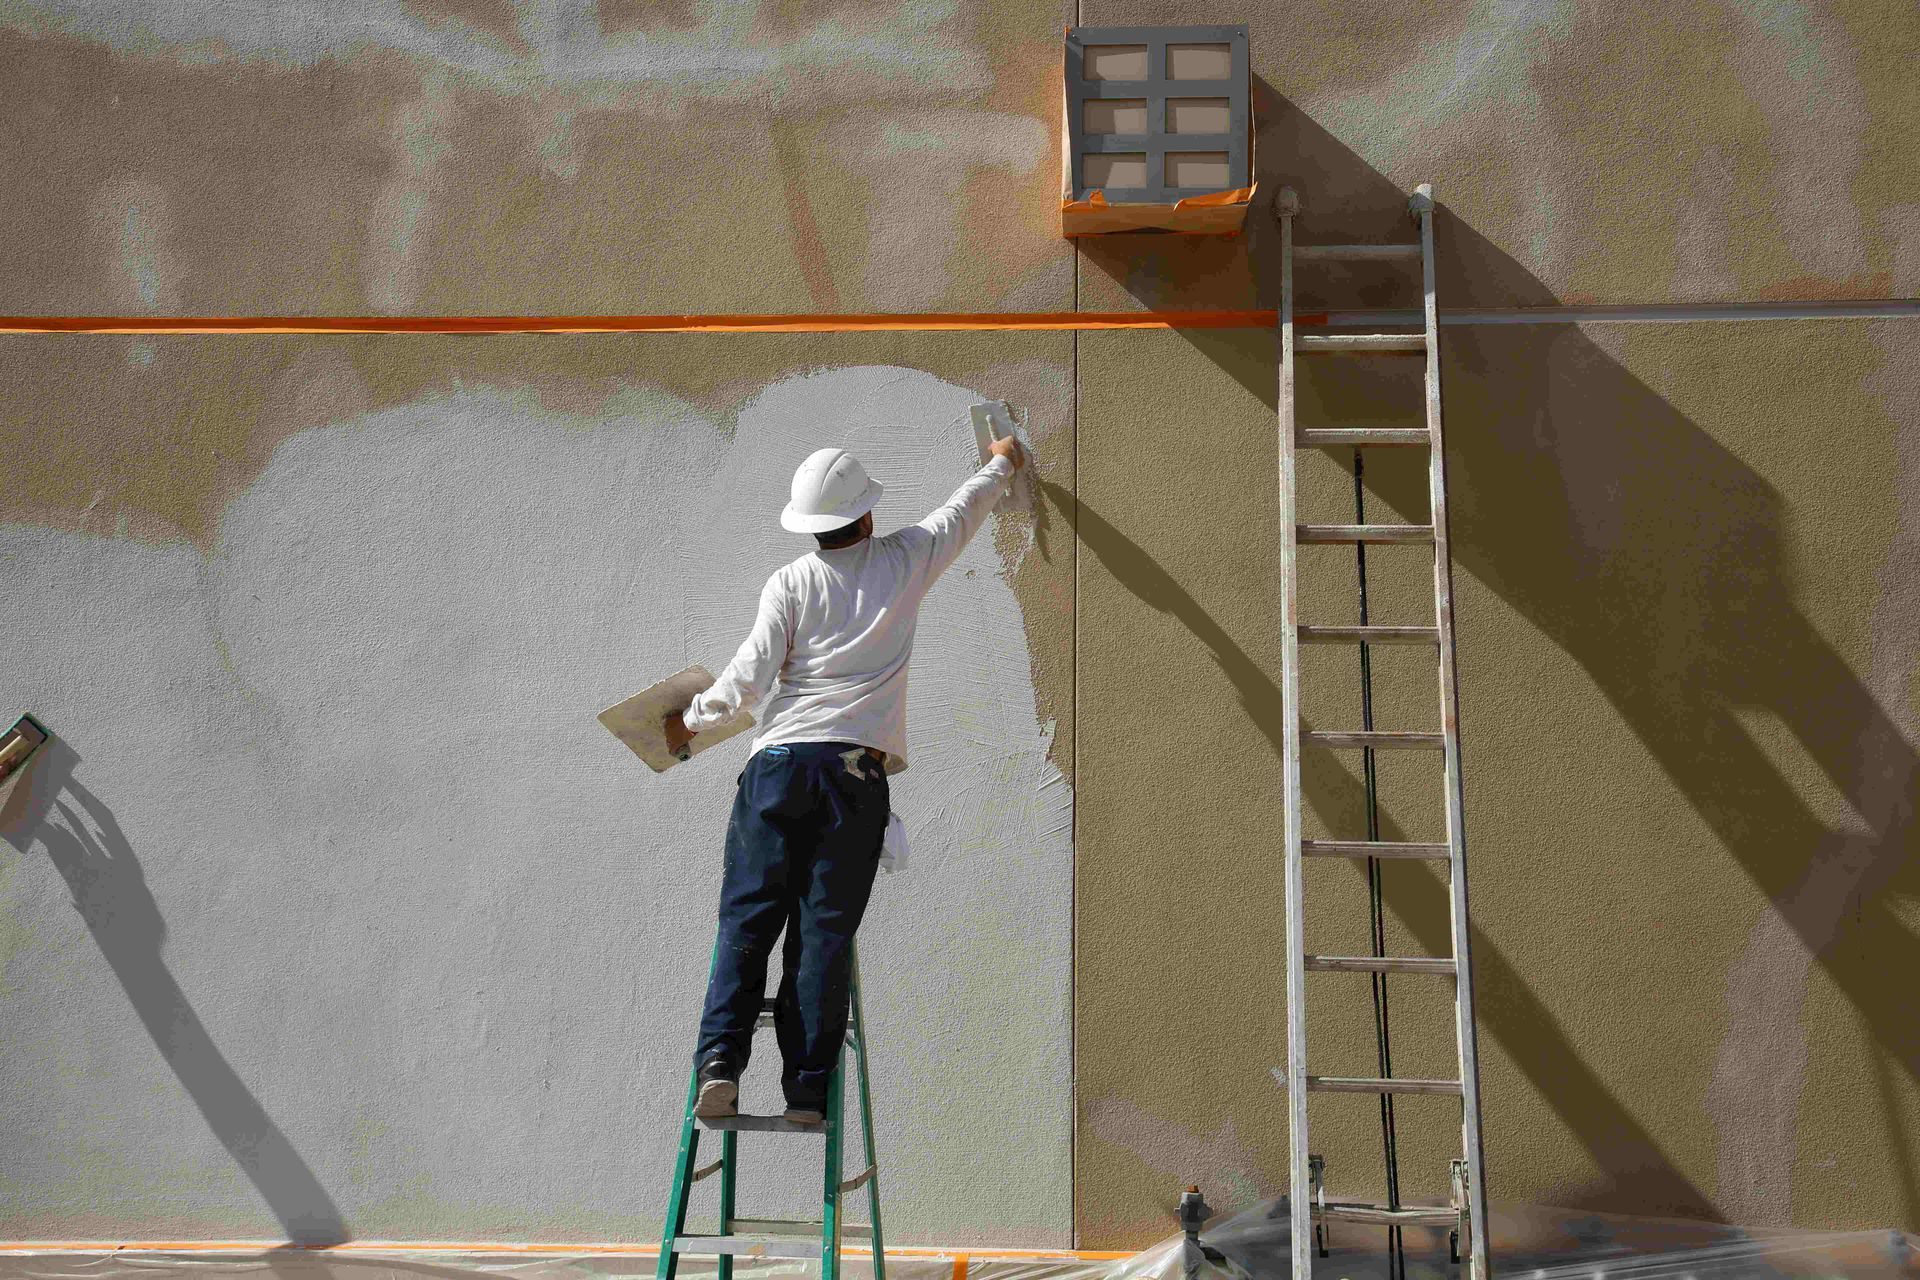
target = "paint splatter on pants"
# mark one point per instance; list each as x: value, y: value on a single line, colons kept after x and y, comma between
x: 803, y: 845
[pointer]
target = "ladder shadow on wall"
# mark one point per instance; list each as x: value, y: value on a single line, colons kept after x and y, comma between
x: 1683, y: 617
x: 82, y: 841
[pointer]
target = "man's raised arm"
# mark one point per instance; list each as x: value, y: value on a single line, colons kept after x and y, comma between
x: 953, y: 525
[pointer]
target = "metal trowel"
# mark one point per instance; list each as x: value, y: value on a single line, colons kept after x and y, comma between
x: 991, y: 421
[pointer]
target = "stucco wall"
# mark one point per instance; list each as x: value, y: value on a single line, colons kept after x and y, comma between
x: 333, y: 912
x: 1684, y: 576
x: 336, y: 912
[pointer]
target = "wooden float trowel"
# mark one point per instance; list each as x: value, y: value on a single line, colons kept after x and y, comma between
x: 638, y: 721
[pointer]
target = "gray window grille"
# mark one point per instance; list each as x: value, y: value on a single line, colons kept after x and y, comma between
x: 1150, y: 119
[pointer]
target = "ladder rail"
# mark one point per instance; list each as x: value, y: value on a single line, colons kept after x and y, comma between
x: 830, y: 1191
x: 684, y: 1178
x: 729, y: 1170
x: 1421, y: 206
x: 872, y: 1175
x: 1299, y: 1178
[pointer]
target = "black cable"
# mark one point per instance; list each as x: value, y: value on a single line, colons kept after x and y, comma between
x: 1396, y: 1252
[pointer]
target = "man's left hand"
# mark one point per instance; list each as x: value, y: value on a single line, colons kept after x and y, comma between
x: 678, y: 735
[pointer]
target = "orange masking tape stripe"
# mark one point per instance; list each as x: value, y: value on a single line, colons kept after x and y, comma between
x: 903, y: 322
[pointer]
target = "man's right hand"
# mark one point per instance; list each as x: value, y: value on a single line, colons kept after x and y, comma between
x: 678, y: 735
x: 1009, y: 448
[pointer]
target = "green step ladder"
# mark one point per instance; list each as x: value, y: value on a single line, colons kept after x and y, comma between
x: 773, y: 1237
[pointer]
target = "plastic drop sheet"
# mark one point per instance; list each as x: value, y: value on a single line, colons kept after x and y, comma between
x: 1533, y: 1243
x: 1529, y: 1243
x: 372, y: 1262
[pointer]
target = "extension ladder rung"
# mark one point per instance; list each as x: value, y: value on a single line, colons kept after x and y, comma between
x: 1311, y: 436
x: 1374, y: 1084
x: 758, y: 1124
x: 1325, y: 533
x: 1359, y: 344
x: 1337, y: 252
x: 1371, y: 849
x: 795, y: 1228
x: 1381, y: 964
x: 1405, y: 1216
x: 1369, y: 635
x: 1379, y: 739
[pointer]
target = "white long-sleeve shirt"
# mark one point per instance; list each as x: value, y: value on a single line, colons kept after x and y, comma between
x: 835, y: 628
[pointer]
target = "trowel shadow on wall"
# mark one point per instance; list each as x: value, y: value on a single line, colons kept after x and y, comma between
x: 51, y: 809
x: 1682, y: 613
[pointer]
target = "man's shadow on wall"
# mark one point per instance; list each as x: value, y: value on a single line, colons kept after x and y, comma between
x: 1645, y: 550
x: 51, y: 808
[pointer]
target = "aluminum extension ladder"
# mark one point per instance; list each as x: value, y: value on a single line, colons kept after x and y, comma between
x: 774, y: 1237
x: 1307, y: 1198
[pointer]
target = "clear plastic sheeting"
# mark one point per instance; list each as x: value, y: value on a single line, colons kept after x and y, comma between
x: 1529, y: 1244
x: 372, y: 1261
x: 1533, y: 1243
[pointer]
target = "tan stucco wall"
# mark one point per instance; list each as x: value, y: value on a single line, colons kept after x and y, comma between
x: 1686, y: 582
x: 412, y: 155
x: 1688, y: 651
x: 1644, y: 152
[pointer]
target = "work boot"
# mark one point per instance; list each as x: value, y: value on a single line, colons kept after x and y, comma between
x: 719, y: 1089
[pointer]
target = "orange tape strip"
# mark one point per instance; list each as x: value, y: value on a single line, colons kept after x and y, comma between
x: 904, y: 322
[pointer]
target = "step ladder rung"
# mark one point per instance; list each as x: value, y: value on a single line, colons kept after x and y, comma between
x: 757, y: 1245
x: 793, y: 1228
x: 1379, y: 739
x: 1374, y: 1084
x: 1369, y: 635
x: 1350, y: 252
x: 1312, y: 436
x: 1381, y: 964
x: 1404, y: 1216
x: 1371, y: 849
x: 758, y: 1124
x: 1360, y: 344
x: 1325, y: 533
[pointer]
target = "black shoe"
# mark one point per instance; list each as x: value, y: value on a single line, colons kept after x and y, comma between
x: 806, y: 1110
x: 719, y: 1089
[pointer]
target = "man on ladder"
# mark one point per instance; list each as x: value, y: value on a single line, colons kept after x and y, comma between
x: 835, y: 628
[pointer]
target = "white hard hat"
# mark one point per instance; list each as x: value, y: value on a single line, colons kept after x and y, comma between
x: 831, y: 489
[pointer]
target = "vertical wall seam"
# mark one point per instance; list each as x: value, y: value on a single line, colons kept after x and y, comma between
x: 1073, y: 816
x: 1073, y: 822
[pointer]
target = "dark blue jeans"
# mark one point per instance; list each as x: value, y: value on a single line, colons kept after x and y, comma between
x: 802, y: 849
